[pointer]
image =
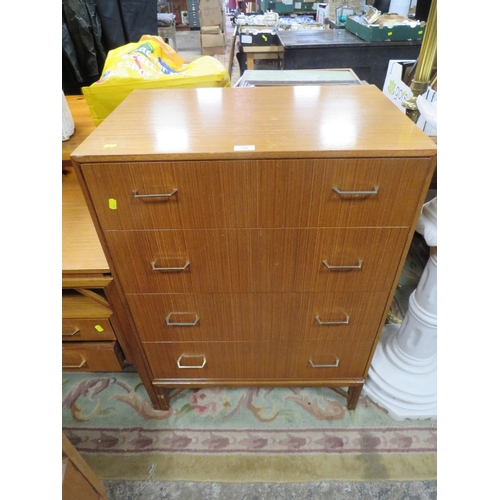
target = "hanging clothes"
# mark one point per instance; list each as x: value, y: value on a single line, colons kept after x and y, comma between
x: 125, y: 21
x: 91, y: 28
x: 86, y: 33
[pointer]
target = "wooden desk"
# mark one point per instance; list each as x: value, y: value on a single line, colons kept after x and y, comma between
x: 338, y: 48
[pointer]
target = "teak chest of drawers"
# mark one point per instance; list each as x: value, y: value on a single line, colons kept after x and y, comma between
x: 255, y: 235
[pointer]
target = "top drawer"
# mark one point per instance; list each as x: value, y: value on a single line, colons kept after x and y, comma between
x: 252, y: 193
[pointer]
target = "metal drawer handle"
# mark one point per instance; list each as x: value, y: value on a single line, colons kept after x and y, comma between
x: 71, y: 334
x: 191, y: 366
x: 173, y: 323
x: 160, y: 195
x: 333, y: 268
x: 338, y: 191
x: 76, y: 366
x: 345, y: 322
x: 325, y: 366
x: 183, y: 268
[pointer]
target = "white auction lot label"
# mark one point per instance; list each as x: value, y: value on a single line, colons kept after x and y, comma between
x: 244, y: 148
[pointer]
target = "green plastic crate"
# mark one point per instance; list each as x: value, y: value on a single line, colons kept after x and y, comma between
x: 280, y: 8
x: 384, y: 34
x: 304, y: 7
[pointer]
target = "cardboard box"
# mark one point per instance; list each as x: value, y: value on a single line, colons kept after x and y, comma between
x: 211, y: 12
x: 210, y: 51
x: 213, y: 44
x: 211, y: 30
x: 378, y: 33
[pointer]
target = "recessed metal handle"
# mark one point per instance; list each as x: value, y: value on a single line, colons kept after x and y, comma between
x: 325, y: 366
x: 159, y: 195
x: 71, y: 334
x: 182, y: 323
x: 191, y: 356
x: 338, y: 191
x: 345, y: 322
x: 76, y: 366
x: 178, y: 269
x: 336, y: 268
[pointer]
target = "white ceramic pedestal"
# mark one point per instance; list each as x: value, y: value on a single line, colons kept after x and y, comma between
x: 403, y: 375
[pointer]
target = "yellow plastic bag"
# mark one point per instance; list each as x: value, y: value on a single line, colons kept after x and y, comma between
x: 148, y: 64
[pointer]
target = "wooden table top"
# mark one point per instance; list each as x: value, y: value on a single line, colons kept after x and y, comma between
x: 81, y: 249
x: 330, y: 38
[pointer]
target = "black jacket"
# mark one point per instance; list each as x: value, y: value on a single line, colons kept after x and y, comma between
x: 91, y: 28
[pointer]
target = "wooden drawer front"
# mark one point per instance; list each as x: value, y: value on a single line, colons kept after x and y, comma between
x: 267, y: 193
x: 257, y: 260
x: 92, y: 356
x: 250, y: 361
x: 256, y: 317
x: 87, y: 329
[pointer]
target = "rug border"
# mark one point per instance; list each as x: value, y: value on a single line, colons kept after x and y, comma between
x: 274, y: 468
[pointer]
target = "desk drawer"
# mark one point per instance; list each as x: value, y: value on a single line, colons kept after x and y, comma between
x: 87, y: 329
x: 256, y: 317
x: 78, y: 306
x: 85, y: 317
x: 251, y: 194
x: 92, y: 356
x: 254, y: 361
x: 257, y: 260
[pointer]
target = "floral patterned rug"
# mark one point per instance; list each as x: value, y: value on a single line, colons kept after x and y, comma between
x: 247, y: 434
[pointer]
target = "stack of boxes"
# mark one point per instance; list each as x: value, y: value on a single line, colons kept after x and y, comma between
x: 212, y: 16
x: 333, y: 5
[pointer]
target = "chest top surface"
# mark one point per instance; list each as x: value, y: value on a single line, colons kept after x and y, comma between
x: 255, y: 122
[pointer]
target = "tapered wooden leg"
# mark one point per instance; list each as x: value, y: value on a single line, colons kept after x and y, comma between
x: 165, y: 396
x: 353, y: 395
x: 250, y: 63
x: 173, y: 393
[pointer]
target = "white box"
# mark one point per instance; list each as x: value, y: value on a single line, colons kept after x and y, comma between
x: 397, y: 91
x: 321, y: 13
x: 394, y: 87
